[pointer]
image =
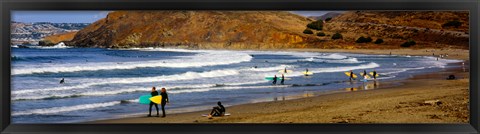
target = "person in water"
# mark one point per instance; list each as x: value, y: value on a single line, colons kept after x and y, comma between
x: 165, y: 100
x: 374, y: 74
x: 62, y: 81
x: 153, y: 93
x: 218, y: 110
x: 285, y: 70
x: 282, y: 80
x: 306, y: 72
x: 351, y: 75
x: 364, y: 73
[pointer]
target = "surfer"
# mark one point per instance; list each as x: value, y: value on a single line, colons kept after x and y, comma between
x: 274, y: 80
x: 283, y: 79
x: 306, y: 72
x: 364, y: 73
x: 285, y: 70
x: 165, y: 100
x: 153, y: 93
x: 374, y: 74
x: 351, y: 75
x: 217, y: 111
x: 62, y: 81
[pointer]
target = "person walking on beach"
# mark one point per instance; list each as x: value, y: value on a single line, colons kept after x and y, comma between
x: 165, y: 100
x: 153, y: 93
x: 374, y: 74
x: 274, y: 80
x: 351, y: 75
x: 217, y: 111
x: 282, y: 80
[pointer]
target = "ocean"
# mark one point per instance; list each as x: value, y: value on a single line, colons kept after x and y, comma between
x: 106, y: 83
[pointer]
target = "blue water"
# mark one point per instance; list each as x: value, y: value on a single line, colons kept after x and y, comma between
x: 105, y: 83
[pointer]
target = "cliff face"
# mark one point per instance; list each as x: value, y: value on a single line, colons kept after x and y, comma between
x: 426, y: 28
x: 273, y: 29
x: 57, y: 38
x: 200, y: 29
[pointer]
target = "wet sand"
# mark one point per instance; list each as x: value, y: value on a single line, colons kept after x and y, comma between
x: 426, y: 98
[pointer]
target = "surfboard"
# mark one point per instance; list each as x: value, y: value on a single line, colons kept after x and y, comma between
x: 307, y: 73
x: 348, y: 74
x: 226, y: 114
x: 371, y: 73
x: 283, y: 71
x: 144, y: 99
x: 156, y: 99
x: 278, y: 78
x: 368, y: 77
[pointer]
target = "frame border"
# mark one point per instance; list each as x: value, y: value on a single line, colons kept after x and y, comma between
x: 7, y: 6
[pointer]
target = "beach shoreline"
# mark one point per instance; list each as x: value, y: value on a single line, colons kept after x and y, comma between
x: 315, y: 109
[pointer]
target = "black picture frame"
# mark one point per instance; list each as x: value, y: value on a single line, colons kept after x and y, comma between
x: 9, y: 5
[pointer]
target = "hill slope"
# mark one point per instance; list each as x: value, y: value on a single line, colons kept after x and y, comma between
x: 199, y: 29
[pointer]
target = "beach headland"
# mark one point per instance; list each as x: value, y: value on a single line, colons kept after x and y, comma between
x: 426, y: 98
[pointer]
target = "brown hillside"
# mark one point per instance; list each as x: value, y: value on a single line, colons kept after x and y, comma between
x: 202, y: 29
x: 60, y: 37
x: 395, y: 28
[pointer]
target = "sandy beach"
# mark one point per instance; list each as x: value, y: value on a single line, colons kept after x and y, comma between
x: 427, y: 98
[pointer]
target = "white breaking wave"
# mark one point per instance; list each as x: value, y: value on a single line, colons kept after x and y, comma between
x: 54, y: 110
x: 176, y: 77
x: 211, y: 58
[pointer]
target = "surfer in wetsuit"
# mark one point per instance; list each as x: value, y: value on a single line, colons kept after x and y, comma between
x: 62, y: 81
x: 274, y: 80
x: 153, y: 93
x: 218, y: 110
x: 165, y: 100
x: 283, y: 79
x: 285, y: 70
x: 374, y: 74
x: 364, y: 73
x: 306, y: 72
x: 351, y: 75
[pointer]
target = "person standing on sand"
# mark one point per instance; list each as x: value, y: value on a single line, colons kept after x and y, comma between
x: 153, y: 93
x: 283, y: 79
x: 165, y: 100
x: 274, y: 80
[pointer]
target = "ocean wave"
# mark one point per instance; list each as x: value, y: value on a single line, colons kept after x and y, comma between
x: 55, y: 110
x: 176, y: 77
x: 212, y: 58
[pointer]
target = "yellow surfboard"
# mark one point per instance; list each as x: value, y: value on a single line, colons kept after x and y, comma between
x: 156, y: 99
x: 307, y: 73
x: 348, y: 74
x: 371, y: 73
x: 368, y: 77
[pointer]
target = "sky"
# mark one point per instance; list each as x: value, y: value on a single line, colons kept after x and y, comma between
x: 89, y: 16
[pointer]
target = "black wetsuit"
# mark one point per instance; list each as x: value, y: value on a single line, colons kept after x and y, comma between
x: 164, y: 101
x: 218, y: 111
x: 374, y: 74
x: 364, y: 73
x: 283, y: 80
x: 351, y: 76
x: 152, y: 104
x: 62, y: 81
x: 274, y: 80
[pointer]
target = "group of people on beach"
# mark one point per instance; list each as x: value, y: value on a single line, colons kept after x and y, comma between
x: 164, y: 101
x: 216, y: 111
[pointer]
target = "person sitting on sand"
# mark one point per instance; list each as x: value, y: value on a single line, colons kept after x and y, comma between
x: 374, y: 74
x: 165, y: 100
x: 351, y: 75
x: 153, y: 93
x: 62, y: 81
x: 274, y: 80
x: 217, y: 111
x: 282, y: 80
